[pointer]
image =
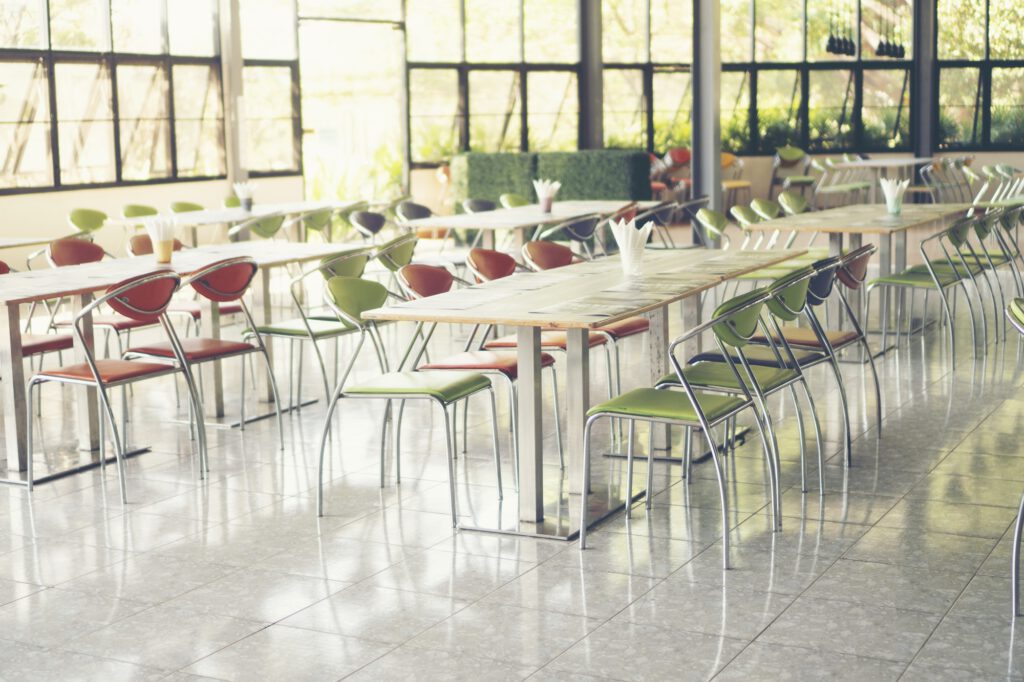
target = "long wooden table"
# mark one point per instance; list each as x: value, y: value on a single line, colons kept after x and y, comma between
x: 578, y: 298
x: 77, y: 285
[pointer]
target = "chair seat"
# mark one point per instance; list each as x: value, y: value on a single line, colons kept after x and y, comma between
x: 296, y: 328
x: 806, y: 338
x: 735, y: 184
x: 485, y: 361
x: 196, y: 349
x: 762, y: 356
x: 798, y: 180
x: 118, y: 323
x: 673, y: 405
x: 627, y: 327
x: 558, y: 340
x: 34, y: 344
x: 720, y: 375
x: 915, y: 279
x: 444, y: 386
x: 195, y: 309
x: 110, y: 371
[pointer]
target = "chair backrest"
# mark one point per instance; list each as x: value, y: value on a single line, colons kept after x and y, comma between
x: 581, y: 229
x: 185, y: 206
x: 368, y: 222
x: 678, y: 156
x: 714, y: 222
x: 137, y: 211
x: 86, y: 220
x: 792, y: 203
x: 744, y: 215
x: 351, y: 264
x: 820, y: 286
x: 71, y: 251
x: 489, y: 265
x: 790, y: 157
x: 410, y: 210
x: 854, y: 267
x: 143, y: 298
x: 397, y: 252
x: 789, y: 294
x: 350, y: 297
x: 265, y: 227
x: 511, y: 200
x: 739, y: 318
x: 142, y: 245
x: 541, y: 255
x: 226, y: 280
x: 478, y: 205
x: 319, y: 220
x: 766, y: 209
x: 4, y: 268
x: 421, y: 281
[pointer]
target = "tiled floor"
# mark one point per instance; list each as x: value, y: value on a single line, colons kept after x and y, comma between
x: 900, y: 572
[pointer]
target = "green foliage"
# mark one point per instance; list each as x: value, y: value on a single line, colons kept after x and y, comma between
x: 777, y: 130
x: 589, y: 174
x: 1007, y: 125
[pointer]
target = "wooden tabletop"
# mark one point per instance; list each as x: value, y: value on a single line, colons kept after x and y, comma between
x: 585, y: 295
x: 39, y: 285
x: 866, y: 219
x: 522, y: 217
x: 886, y: 162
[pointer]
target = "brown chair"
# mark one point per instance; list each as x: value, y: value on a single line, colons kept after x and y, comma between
x: 142, y: 299
x: 423, y: 281
x: 487, y: 265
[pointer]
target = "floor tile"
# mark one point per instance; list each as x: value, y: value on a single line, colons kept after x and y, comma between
x: 897, y: 586
x: 775, y: 662
x: 52, y: 617
x: 413, y: 663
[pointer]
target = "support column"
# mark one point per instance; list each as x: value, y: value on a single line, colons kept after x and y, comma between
x: 591, y: 89
x: 231, y: 83
x: 706, y: 160
x: 923, y: 80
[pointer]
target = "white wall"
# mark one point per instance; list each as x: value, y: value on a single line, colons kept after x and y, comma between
x: 44, y: 214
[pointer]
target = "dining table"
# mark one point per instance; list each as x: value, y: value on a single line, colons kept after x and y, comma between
x: 577, y: 298
x: 899, y: 167
x: 76, y: 284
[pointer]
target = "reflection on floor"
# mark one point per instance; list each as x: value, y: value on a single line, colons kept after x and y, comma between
x: 901, y: 571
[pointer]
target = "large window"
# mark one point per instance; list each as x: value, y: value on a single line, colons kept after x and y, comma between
x: 98, y: 92
x: 981, y: 74
x: 491, y: 75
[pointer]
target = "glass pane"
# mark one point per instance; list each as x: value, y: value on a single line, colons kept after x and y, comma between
x: 625, y: 125
x: 778, y: 109
x: 138, y: 25
x: 269, y: 118
x: 826, y: 25
x: 959, y: 119
x: 778, y: 31
x: 494, y: 111
x: 79, y: 25
x: 85, y: 123
x: 735, y: 111
x: 352, y: 9
x: 268, y: 29
x: 434, y: 114
x: 434, y: 30
x: 553, y: 114
x: 961, y: 27
x: 735, y: 30
x: 888, y: 24
x: 1006, y: 29
x: 671, y: 98
x: 192, y: 27
x: 623, y: 31
x: 885, y: 113
x: 550, y: 30
x: 671, y: 31
x: 1008, y: 106
x: 23, y: 24
x: 352, y: 144
x: 144, y: 122
x: 198, y: 121
x: 492, y: 31
x: 25, y: 159
x: 830, y: 109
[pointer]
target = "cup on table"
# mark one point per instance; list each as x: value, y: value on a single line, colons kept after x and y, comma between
x: 163, y: 250
x: 546, y: 203
x: 246, y: 204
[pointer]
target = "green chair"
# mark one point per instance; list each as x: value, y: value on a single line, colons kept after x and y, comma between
x: 793, y: 203
x: 511, y: 200
x: 791, y: 168
x: 130, y: 211
x: 264, y: 227
x: 185, y: 207
x: 849, y: 187
x: 766, y: 209
x: 232, y: 202
x: 350, y: 298
x: 734, y: 322
x: 318, y: 222
x: 714, y: 224
x: 1014, y: 313
x: 86, y: 221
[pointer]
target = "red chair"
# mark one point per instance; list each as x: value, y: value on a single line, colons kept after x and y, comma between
x: 142, y: 299
x: 422, y: 281
x: 223, y: 282
x: 487, y: 265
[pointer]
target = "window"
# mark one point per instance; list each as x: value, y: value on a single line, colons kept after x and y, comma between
x: 270, y: 119
x: 434, y: 114
x: 624, y: 108
x: 885, y: 112
x: 554, y: 110
x: 122, y: 72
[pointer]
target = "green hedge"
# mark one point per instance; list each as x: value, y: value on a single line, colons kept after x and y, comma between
x: 587, y: 174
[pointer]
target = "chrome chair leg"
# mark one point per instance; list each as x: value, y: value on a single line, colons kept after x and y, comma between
x: 1018, y: 527
x: 723, y: 495
x: 494, y: 440
x: 630, y: 432
x: 558, y: 419
x: 451, y: 465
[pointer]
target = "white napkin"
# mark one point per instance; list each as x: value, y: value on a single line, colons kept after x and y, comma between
x: 546, y: 189
x: 244, y: 190
x: 893, y: 190
x: 632, y: 242
x: 160, y: 228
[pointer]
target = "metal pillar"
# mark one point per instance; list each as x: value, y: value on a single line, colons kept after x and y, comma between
x: 923, y: 81
x: 591, y: 90
x: 231, y: 82
x: 706, y: 160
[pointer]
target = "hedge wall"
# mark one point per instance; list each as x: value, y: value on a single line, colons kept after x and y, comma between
x: 586, y: 174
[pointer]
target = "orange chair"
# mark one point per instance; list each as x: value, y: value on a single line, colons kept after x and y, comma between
x: 486, y: 264
x: 422, y: 281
